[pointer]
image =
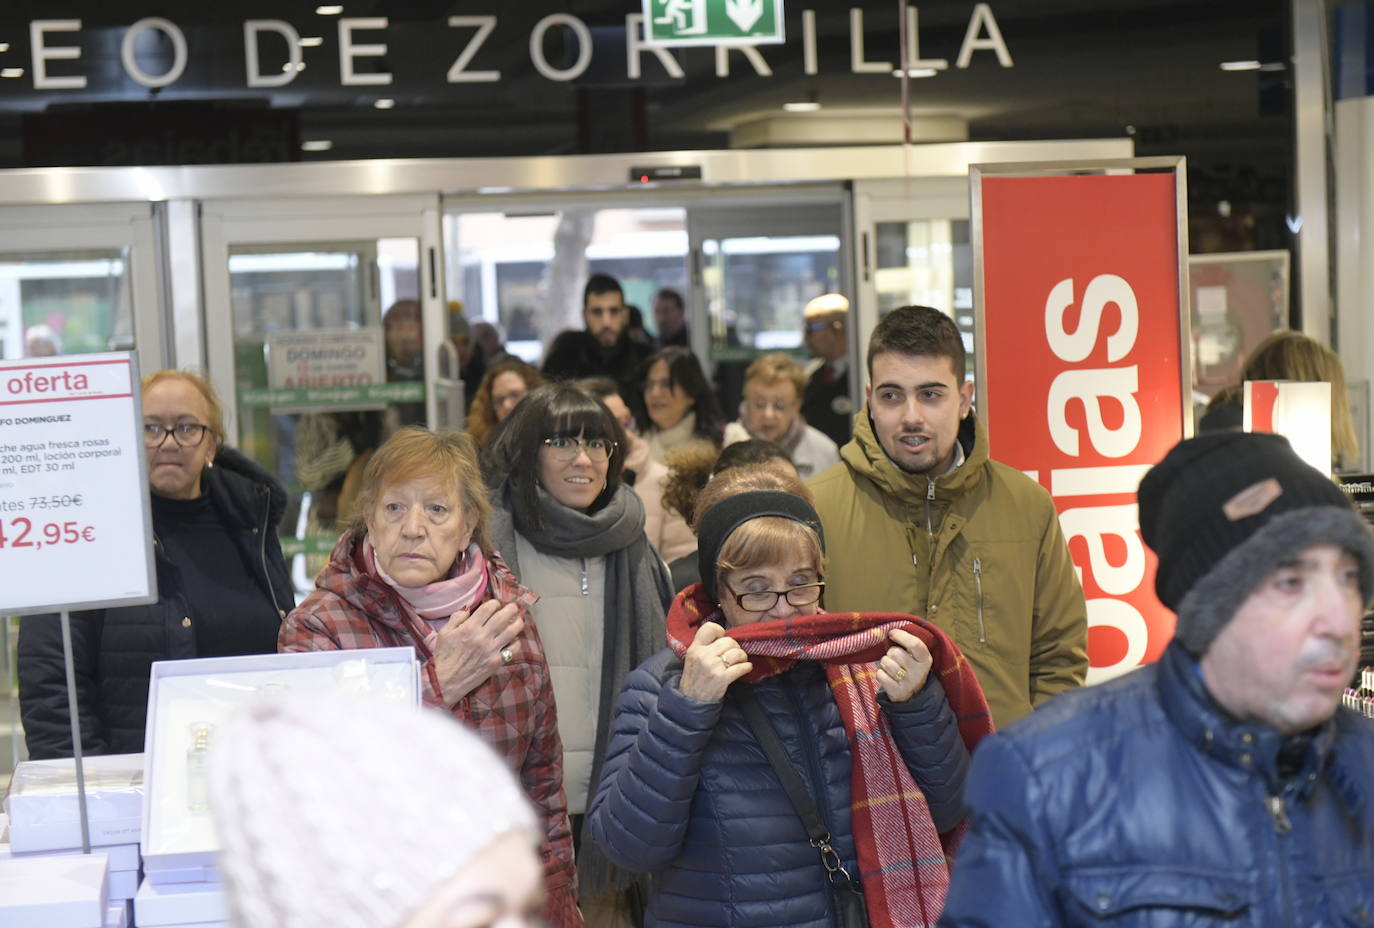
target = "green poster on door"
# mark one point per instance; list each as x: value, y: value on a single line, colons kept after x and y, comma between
x: 713, y: 22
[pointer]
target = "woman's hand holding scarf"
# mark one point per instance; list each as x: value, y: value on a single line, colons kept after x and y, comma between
x: 713, y: 661
x: 468, y: 648
x: 902, y: 671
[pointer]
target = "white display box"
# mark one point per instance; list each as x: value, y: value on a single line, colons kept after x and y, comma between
x: 47, y: 892
x: 117, y: 915
x: 123, y: 857
x: 45, y: 814
x: 191, y: 699
x: 180, y: 904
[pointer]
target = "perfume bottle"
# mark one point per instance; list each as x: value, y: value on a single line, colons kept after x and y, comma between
x: 197, y: 768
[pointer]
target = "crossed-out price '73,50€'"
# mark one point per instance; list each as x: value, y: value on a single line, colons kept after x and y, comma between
x: 20, y: 532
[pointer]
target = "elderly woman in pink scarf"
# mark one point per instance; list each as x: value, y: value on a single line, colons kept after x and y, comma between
x: 417, y: 570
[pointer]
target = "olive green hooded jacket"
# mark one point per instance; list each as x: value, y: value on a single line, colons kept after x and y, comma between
x: 978, y: 552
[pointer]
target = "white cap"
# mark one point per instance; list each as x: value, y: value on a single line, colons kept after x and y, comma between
x: 340, y: 812
x: 825, y: 305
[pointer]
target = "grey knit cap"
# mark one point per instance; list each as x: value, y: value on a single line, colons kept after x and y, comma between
x: 1224, y: 510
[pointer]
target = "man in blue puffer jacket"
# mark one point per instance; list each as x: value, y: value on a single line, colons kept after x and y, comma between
x: 1222, y: 785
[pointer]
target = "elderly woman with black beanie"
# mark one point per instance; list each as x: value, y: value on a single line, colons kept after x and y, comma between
x: 752, y: 762
x: 574, y: 533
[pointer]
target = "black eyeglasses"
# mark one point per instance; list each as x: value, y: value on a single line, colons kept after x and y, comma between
x: 763, y: 600
x: 567, y: 449
x: 185, y: 434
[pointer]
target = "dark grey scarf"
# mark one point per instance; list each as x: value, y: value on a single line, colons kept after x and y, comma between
x: 638, y: 592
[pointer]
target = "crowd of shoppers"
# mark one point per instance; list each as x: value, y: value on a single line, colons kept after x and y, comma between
x: 747, y: 674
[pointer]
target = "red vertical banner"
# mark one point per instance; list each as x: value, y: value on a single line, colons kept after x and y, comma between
x: 1081, y: 370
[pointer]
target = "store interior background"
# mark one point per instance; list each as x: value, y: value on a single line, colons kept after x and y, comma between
x: 1213, y: 82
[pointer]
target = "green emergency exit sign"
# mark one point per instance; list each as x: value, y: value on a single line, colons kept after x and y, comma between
x: 713, y: 22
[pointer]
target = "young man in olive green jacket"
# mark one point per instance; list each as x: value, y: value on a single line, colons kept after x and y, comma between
x: 919, y: 519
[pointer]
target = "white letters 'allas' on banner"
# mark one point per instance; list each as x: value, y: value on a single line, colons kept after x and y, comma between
x: 1083, y: 369
x: 1300, y: 412
x: 74, y: 518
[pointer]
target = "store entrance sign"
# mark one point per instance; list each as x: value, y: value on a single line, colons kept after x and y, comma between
x: 713, y: 22
x: 329, y: 368
x: 1083, y: 372
x: 74, y: 523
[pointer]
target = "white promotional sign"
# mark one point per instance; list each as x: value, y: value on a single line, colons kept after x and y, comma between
x: 326, y: 358
x: 75, y: 531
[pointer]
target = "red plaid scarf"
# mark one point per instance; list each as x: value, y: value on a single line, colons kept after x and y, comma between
x: 903, y: 863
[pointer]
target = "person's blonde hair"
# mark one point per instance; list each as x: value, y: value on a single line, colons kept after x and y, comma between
x: 770, y: 369
x: 767, y: 539
x: 414, y: 453
x: 214, y: 410
x: 1288, y: 355
x: 482, y: 413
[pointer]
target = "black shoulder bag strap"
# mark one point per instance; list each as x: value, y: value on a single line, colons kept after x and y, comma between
x: 849, y: 901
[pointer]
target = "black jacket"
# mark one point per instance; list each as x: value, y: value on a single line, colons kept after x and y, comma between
x: 576, y: 354
x: 113, y: 649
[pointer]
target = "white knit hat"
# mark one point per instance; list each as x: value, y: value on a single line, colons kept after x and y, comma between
x: 346, y: 813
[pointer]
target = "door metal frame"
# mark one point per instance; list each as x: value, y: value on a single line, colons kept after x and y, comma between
x: 284, y: 222
x: 69, y: 227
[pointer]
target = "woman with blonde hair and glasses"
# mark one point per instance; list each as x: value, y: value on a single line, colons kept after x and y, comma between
x: 417, y: 569
x: 223, y: 586
x: 574, y: 533
x: 771, y: 411
x: 778, y: 765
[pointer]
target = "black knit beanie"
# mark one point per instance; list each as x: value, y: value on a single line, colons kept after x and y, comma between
x: 718, y: 522
x: 1224, y: 510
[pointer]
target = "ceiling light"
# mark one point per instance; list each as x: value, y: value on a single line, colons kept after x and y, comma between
x: 317, y: 145
x: 1273, y: 66
x: 299, y: 66
x: 384, y: 104
x: 328, y: 10
x: 809, y: 106
x: 916, y: 72
x: 12, y: 72
x: 312, y: 41
x: 4, y: 46
x: 1240, y: 65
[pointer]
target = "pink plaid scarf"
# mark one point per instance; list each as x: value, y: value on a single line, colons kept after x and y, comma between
x: 903, y: 862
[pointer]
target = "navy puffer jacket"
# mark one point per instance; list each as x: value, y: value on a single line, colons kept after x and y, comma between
x: 688, y: 795
x: 1141, y: 804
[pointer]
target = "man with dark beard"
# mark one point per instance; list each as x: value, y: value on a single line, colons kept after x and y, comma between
x: 1224, y: 783
x: 604, y: 348
x: 918, y: 519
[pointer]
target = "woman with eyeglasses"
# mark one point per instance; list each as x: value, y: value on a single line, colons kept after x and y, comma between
x: 778, y: 765
x: 222, y: 583
x: 771, y: 411
x: 574, y: 533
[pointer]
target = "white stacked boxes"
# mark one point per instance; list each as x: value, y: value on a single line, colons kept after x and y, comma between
x: 43, y: 810
x: 46, y: 820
